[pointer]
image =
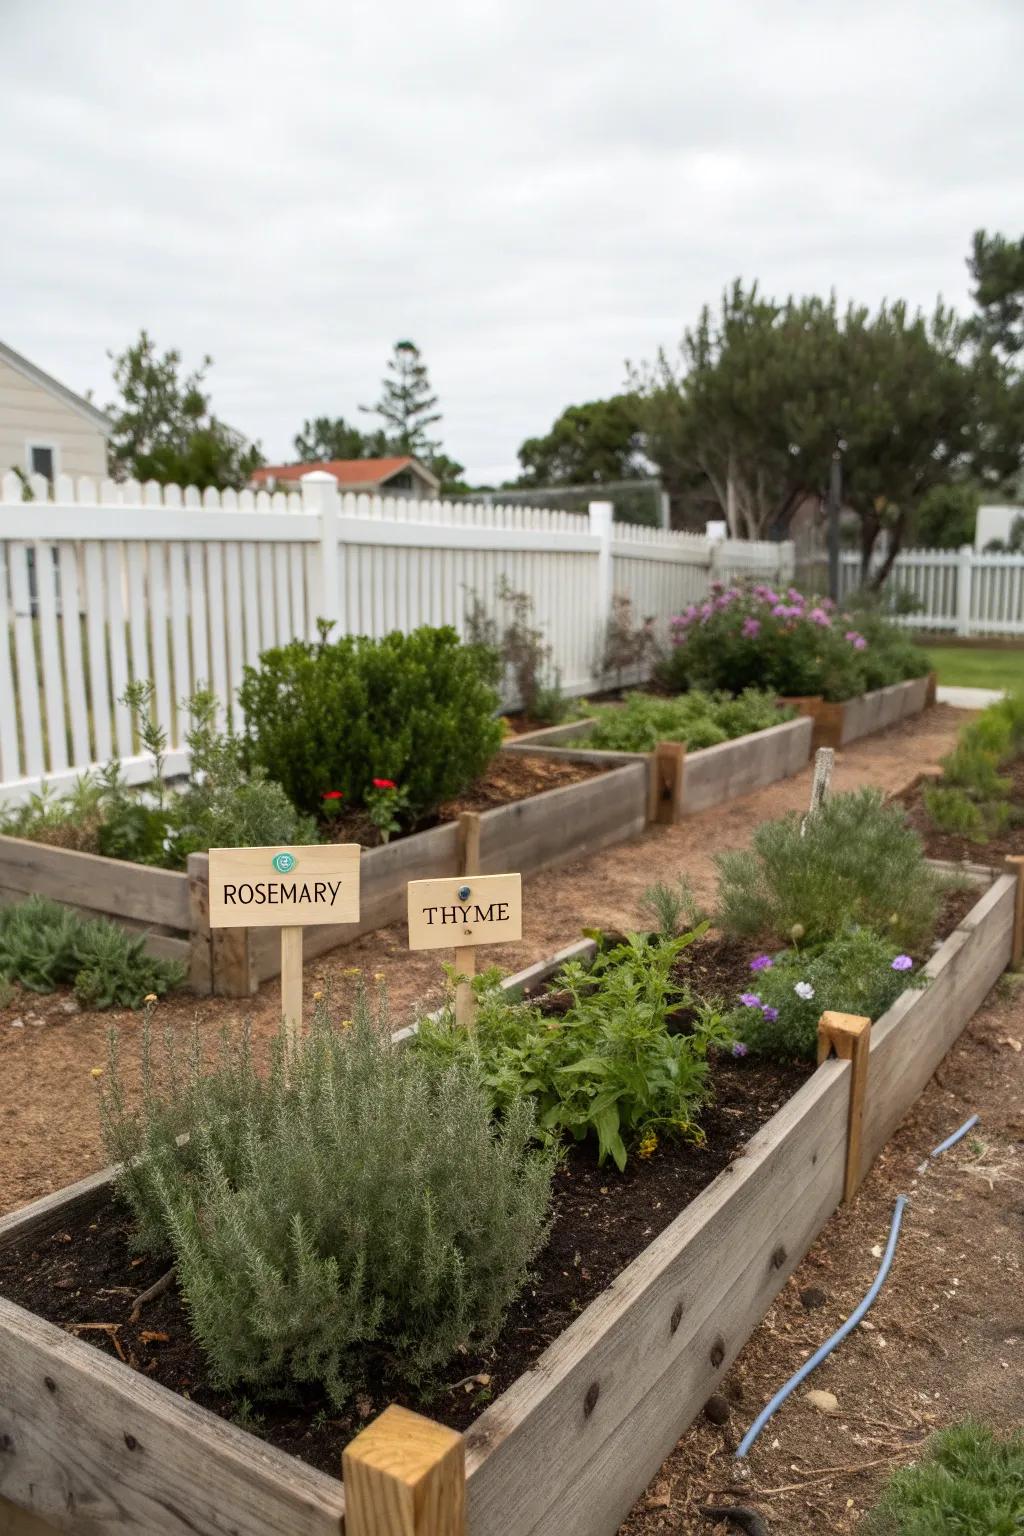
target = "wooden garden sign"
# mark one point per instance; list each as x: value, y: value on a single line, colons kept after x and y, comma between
x: 461, y: 912
x: 290, y: 889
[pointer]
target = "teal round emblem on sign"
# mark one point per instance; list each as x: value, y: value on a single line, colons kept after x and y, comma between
x: 284, y: 863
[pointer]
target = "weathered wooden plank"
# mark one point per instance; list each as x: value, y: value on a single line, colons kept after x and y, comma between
x: 734, y: 768
x: 113, y: 887
x: 200, y: 959
x: 50, y: 1212
x: 571, y: 822
x: 91, y: 1446
x: 681, y: 1310
x: 908, y: 1043
x: 882, y: 708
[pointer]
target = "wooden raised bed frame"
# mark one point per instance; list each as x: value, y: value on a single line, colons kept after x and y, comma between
x: 571, y: 822
x: 89, y: 1446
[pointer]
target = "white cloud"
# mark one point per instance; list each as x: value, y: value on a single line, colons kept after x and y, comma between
x: 533, y: 192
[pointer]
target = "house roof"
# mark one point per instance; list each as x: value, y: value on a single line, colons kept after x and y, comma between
x: 55, y: 387
x: 348, y: 472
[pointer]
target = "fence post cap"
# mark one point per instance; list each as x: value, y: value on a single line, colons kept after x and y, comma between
x: 318, y: 477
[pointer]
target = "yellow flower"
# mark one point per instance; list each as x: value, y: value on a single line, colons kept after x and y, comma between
x: 346, y: 1023
x: 96, y: 1072
x: 648, y: 1144
x: 378, y: 975
x: 317, y: 996
x: 352, y: 970
x: 797, y: 931
x: 150, y: 997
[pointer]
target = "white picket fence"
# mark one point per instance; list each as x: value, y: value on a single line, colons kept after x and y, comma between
x: 103, y: 584
x: 955, y: 590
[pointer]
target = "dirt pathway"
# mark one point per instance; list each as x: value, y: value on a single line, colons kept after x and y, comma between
x: 944, y: 1339
x: 48, y: 1130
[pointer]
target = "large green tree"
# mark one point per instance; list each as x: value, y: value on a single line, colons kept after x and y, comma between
x: 592, y: 444
x: 163, y: 427
x: 761, y: 391
x: 407, y: 403
x: 332, y: 437
x: 997, y: 267
x: 407, y: 406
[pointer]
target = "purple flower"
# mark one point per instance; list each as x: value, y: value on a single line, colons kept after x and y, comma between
x: 739, y: 1049
x: 819, y: 616
x: 902, y: 963
x: 750, y: 1000
x: 857, y: 641
x: 780, y: 611
x: 751, y: 628
x: 761, y: 963
x: 771, y: 1014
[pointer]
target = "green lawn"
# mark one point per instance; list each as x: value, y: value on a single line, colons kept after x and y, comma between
x: 969, y: 666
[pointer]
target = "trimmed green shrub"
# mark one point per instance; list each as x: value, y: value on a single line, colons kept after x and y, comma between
x: 608, y: 1068
x: 699, y: 719
x: 358, y: 1210
x: 972, y: 798
x: 756, y: 637
x: 44, y: 946
x: 417, y: 709
x: 857, y: 864
x: 859, y: 973
x: 968, y: 1483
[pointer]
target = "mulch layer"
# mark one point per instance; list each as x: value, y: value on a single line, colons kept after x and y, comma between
x: 950, y: 845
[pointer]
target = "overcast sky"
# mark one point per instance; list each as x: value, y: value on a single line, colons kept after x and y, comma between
x: 532, y: 190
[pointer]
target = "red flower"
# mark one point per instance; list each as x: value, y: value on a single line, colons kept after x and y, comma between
x: 384, y: 784
x: 333, y: 794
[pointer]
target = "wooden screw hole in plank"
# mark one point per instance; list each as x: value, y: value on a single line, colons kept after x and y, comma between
x: 290, y: 889
x: 665, y: 787
x: 1015, y: 866
x: 405, y: 1475
x: 849, y: 1035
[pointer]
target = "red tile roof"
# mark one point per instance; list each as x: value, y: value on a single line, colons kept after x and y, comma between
x: 345, y: 471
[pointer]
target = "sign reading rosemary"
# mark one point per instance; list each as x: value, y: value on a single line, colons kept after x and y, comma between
x: 276, y: 887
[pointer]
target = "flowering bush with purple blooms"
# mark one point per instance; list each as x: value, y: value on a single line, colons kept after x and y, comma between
x: 756, y: 637
x: 856, y: 973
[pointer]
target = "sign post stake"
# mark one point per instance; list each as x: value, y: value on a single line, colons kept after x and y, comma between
x: 465, y: 956
x: 291, y: 983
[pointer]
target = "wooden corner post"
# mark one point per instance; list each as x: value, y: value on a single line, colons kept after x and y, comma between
x: 665, y: 785
x: 465, y: 955
x: 1015, y: 865
x: 405, y: 1475
x: 849, y: 1035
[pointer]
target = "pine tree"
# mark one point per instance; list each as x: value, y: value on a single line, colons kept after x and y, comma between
x: 407, y: 403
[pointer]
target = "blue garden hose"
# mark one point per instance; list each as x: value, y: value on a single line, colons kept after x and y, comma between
x: 951, y: 1141
x: 830, y: 1344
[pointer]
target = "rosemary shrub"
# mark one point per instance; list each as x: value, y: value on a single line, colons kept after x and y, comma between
x: 359, y: 1209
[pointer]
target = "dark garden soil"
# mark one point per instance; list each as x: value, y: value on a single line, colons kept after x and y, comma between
x: 86, y: 1279
x: 510, y: 776
x: 948, y: 845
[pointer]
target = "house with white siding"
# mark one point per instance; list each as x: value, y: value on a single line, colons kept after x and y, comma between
x: 45, y: 428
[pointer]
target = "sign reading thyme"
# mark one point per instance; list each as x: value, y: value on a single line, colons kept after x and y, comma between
x: 465, y: 910
x: 284, y: 887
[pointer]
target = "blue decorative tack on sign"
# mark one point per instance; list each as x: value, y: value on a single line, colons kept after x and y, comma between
x: 284, y: 863
x: 464, y: 893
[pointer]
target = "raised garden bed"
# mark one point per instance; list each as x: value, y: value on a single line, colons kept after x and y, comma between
x: 954, y: 847
x: 837, y: 725
x: 88, y: 1442
x: 710, y: 776
x: 601, y: 804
